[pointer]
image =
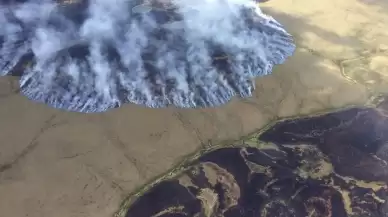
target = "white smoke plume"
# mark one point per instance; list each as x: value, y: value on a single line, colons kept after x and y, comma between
x: 90, y: 56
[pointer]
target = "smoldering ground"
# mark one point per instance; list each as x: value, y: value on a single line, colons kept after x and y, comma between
x: 90, y: 56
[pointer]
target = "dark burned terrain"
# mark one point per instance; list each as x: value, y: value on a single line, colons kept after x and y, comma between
x: 333, y: 165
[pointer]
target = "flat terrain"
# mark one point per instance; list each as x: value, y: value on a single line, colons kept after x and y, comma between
x: 55, y: 163
x: 330, y: 165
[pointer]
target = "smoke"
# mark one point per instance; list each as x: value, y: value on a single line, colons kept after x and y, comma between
x: 90, y: 56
